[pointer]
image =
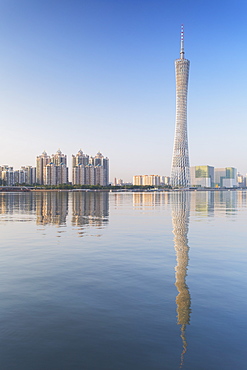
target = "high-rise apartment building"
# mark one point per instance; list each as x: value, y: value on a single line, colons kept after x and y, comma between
x: 30, y: 175
x: 90, y: 175
x: 7, y: 175
x: 25, y: 175
x: 52, y: 170
x: 41, y: 161
x: 99, y: 161
x: 90, y: 170
x: 80, y: 158
x: 59, y: 158
x: 50, y: 174
x: 180, y: 172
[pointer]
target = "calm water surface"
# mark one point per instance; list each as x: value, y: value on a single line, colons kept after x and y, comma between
x: 123, y: 280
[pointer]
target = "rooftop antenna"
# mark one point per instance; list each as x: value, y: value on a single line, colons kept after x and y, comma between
x: 182, y: 42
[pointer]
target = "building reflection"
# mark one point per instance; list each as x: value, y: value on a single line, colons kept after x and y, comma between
x: 52, y: 208
x: 150, y: 199
x: 21, y: 203
x: 217, y: 203
x: 226, y: 202
x: 180, y: 221
x: 90, y: 208
x: 202, y: 202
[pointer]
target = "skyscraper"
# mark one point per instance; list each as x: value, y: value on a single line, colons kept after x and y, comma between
x: 180, y: 173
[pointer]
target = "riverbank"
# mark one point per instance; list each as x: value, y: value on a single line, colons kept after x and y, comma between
x: 111, y: 190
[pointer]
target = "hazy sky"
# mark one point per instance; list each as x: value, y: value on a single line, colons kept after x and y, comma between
x: 99, y: 75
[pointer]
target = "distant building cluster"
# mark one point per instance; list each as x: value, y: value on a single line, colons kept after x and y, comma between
x: 150, y: 180
x: 210, y: 177
x: 120, y: 182
x: 53, y: 170
x: 9, y: 176
x: 201, y: 176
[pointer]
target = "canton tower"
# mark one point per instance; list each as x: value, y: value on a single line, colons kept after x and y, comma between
x: 180, y: 173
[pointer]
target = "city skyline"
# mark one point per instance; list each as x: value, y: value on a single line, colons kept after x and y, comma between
x: 99, y: 75
x: 54, y: 170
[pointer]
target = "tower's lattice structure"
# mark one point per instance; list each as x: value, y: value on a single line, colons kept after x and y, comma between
x: 180, y: 173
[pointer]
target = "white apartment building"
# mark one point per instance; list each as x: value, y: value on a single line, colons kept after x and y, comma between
x: 7, y: 176
x: 41, y: 161
x: 90, y: 170
x: 52, y: 170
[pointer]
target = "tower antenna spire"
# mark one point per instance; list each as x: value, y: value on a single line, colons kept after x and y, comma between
x: 182, y: 42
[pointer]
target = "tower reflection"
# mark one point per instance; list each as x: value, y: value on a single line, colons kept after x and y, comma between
x: 180, y: 221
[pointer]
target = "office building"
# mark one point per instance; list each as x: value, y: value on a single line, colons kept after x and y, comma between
x: 225, y: 177
x: 202, y: 176
x: 180, y: 172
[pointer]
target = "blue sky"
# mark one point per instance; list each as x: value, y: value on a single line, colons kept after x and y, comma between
x: 99, y: 75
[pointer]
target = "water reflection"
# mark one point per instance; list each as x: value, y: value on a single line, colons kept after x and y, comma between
x: 180, y: 221
x: 90, y: 208
x: 150, y: 199
x: 217, y: 203
x: 54, y: 207
x: 21, y: 203
x: 203, y: 203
